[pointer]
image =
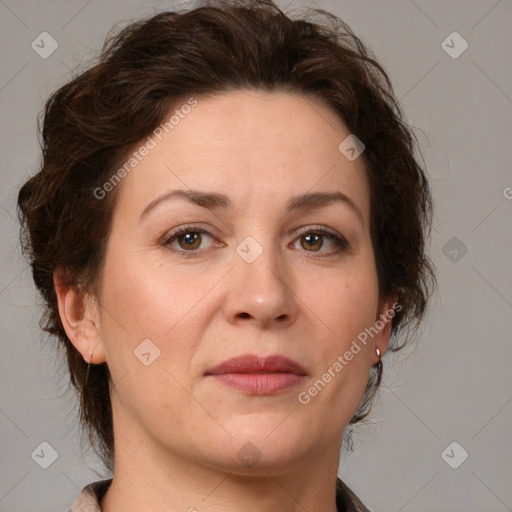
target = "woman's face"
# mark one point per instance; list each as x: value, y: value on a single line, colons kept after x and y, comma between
x: 246, y: 278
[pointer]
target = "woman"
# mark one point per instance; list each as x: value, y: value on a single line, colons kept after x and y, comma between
x: 228, y: 226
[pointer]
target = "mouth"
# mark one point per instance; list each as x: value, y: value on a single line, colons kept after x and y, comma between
x: 258, y: 375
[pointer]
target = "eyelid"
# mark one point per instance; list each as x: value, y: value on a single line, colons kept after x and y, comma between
x: 340, y: 241
x: 314, y: 228
x: 172, y: 236
x: 185, y: 229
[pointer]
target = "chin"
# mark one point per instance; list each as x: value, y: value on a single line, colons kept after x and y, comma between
x: 264, y: 440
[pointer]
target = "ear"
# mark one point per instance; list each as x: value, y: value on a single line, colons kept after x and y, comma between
x: 79, y: 314
x: 387, y: 309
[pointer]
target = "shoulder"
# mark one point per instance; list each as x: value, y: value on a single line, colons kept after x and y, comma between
x: 346, y: 500
x: 90, y: 497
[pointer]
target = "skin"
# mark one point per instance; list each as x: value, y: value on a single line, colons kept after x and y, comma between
x: 178, y: 432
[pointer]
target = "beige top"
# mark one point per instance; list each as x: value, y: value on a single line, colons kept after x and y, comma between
x: 91, y: 495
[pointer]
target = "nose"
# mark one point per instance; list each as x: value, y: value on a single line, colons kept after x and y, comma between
x: 261, y: 292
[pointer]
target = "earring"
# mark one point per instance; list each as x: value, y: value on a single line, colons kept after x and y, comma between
x: 88, y: 366
x: 379, y: 363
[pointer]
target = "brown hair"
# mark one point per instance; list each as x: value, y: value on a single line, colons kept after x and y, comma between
x: 91, y: 123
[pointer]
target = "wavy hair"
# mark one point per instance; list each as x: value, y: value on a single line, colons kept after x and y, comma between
x: 90, y: 124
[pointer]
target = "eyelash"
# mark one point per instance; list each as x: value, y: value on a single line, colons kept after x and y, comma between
x: 340, y: 242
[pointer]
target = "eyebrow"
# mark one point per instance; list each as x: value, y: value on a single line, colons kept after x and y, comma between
x: 215, y: 201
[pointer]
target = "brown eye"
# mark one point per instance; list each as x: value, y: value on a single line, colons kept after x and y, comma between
x: 314, y: 240
x: 190, y: 240
x: 186, y: 240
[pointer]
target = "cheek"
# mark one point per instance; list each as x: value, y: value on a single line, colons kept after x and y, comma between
x: 346, y: 301
x: 140, y: 295
x: 345, y: 356
x: 147, y: 300
x: 347, y: 307
x: 148, y: 340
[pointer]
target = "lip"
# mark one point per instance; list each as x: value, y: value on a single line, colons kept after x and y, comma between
x: 258, y: 375
x: 249, y: 363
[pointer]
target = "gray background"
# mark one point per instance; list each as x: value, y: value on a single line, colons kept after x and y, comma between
x: 455, y: 386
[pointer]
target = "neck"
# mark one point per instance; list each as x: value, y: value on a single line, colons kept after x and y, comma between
x: 151, y: 478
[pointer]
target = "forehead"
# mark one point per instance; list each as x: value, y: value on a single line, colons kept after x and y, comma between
x: 250, y: 145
